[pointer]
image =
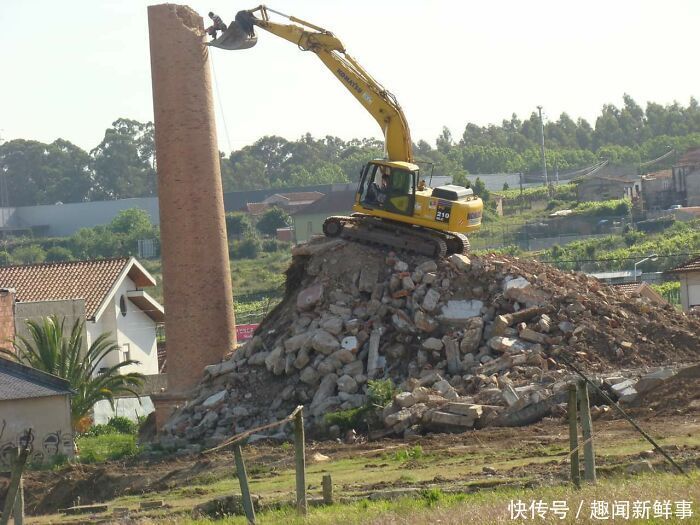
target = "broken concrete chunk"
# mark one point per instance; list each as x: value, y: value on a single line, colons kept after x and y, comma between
x: 461, y: 262
x: 296, y: 342
x: 530, y: 335
x: 368, y: 279
x: 215, y: 399
x: 373, y: 355
x: 432, y: 344
x: 424, y: 322
x: 308, y: 297
x: 302, y: 359
x: 427, y: 266
x: 309, y: 376
x: 510, y: 395
x: 431, y: 299
x: 325, y: 389
x: 333, y: 325
x: 407, y: 283
x: 457, y: 312
x: 439, y: 417
x: 508, y: 345
x: 473, y: 331
x: 405, y: 399
x: 402, y: 322
x: 347, y: 384
x: 324, y: 342
x: 454, y: 365
x: 464, y: 409
x: 349, y: 343
x: 522, y: 291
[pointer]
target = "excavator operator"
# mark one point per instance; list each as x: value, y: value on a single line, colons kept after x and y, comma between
x: 218, y: 25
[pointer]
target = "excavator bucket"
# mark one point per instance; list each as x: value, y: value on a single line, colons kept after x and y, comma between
x: 235, y: 37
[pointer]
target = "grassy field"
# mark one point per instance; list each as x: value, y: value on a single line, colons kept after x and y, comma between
x: 442, y: 479
x: 504, y: 505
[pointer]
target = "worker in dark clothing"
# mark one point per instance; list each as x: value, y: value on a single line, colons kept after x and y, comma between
x: 218, y: 25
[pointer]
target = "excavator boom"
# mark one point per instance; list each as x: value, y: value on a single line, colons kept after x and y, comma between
x: 378, y: 101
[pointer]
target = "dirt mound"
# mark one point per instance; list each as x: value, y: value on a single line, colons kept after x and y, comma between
x: 468, y: 341
x: 679, y: 394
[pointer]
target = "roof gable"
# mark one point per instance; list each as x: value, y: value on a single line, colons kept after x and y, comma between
x: 18, y: 381
x: 692, y: 265
x: 93, y: 281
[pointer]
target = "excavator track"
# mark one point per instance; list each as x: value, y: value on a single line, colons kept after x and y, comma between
x: 373, y: 230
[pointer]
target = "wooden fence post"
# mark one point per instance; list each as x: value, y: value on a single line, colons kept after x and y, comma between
x: 327, y: 489
x: 587, y: 427
x: 245, y: 489
x: 299, y: 449
x: 18, y: 512
x: 573, y: 437
x: 15, y: 481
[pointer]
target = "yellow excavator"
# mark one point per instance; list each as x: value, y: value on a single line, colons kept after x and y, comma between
x: 393, y: 205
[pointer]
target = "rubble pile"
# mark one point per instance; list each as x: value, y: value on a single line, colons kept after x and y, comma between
x: 467, y: 341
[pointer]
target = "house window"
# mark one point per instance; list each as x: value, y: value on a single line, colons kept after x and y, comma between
x: 126, y: 352
x: 122, y: 305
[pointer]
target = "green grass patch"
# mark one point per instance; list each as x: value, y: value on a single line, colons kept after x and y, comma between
x: 96, y: 449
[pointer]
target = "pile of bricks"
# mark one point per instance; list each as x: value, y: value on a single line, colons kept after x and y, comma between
x: 465, y: 341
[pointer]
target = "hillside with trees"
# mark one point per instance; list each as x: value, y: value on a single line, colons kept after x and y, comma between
x: 122, y: 165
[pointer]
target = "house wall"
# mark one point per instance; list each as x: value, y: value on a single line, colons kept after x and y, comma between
x: 65, y: 219
x: 7, y: 317
x: 129, y: 407
x: 596, y: 189
x: 692, y: 185
x: 690, y: 290
x: 70, y: 309
x: 658, y: 193
x: 135, y: 329
x: 308, y: 224
x: 49, y: 419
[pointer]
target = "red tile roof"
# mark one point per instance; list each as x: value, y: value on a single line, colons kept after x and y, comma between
x: 640, y: 288
x: 306, y: 196
x: 257, y: 208
x: 690, y: 158
x: 692, y: 265
x: 88, y: 280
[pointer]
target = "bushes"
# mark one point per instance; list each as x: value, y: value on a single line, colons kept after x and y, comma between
x: 28, y: 254
x: 115, y: 425
x: 248, y: 248
x: 58, y: 254
x: 611, y: 208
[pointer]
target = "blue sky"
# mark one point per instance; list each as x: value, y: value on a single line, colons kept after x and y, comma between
x: 71, y: 68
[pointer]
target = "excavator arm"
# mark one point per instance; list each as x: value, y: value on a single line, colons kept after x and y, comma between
x: 379, y: 102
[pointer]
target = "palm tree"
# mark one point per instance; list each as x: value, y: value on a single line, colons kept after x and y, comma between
x: 50, y: 349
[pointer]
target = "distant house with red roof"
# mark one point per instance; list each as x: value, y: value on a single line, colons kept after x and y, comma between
x: 678, y: 186
x: 689, y: 275
x: 289, y: 202
x: 107, y: 294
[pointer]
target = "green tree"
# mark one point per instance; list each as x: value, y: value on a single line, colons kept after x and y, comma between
x: 237, y: 225
x: 31, y: 254
x: 50, y: 348
x: 58, y: 254
x: 271, y: 220
x: 123, y: 162
x: 38, y: 173
x: 133, y: 222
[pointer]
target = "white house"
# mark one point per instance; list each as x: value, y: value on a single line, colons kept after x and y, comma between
x: 689, y: 276
x: 108, y: 294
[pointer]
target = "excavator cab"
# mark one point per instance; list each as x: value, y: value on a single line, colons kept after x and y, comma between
x: 388, y: 186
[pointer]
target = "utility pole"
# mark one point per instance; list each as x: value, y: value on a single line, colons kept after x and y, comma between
x: 544, y: 160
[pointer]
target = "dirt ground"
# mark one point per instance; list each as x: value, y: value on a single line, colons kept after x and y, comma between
x: 528, y: 456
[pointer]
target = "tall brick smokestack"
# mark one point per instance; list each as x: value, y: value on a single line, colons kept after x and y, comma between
x: 199, y: 325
